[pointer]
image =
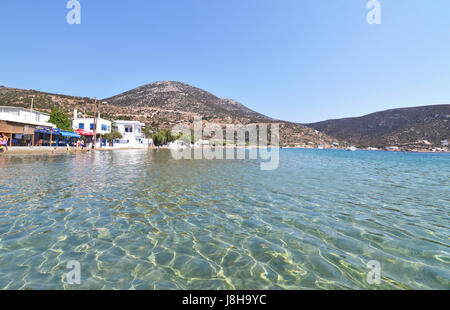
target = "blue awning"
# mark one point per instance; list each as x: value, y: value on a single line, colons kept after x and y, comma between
x: 69, y: 134
x: 47, y: 130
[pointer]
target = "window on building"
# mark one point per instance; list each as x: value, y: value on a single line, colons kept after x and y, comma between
x: 91, y: 126
x: 81, y: 125
x: 104, y: 128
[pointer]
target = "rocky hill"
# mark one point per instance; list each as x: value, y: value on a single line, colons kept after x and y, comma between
x: 164, y: 104
x: 177, y: 96
x: 407, y: 127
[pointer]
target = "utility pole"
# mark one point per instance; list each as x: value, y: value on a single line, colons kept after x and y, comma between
x: 95, y: 122
x: 31, y: 115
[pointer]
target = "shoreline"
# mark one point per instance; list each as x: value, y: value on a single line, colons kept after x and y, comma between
x: 365, y: 150
x: 36, y: 150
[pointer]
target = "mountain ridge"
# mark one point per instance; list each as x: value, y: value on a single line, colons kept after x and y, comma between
x: 406, y: 127
x: 164, y: 104
x: 174, y: 95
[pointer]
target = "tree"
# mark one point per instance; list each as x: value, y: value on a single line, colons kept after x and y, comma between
x: 113, y: 135
x: 158, y: 139
x: 164, y: 136
x: 60, y: 119
x: 147, y: 132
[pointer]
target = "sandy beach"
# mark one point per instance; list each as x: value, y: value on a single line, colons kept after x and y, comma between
x: 52, y: 150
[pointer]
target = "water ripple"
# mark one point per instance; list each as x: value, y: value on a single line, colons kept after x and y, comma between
x: 141, y: 220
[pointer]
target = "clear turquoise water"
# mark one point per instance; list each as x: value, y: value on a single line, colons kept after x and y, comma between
x: 141, y: 220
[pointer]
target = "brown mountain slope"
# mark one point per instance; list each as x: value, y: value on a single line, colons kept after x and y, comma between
x: 162, y: 105
x: 396, y: 127
x: 177, y: 96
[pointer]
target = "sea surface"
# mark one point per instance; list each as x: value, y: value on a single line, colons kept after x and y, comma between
x: 142, y: 220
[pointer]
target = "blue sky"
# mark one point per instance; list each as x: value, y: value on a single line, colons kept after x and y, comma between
x: 296, y: 60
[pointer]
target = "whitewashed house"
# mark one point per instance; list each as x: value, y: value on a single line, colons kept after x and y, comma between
x: 88, y: 125
x: 132, y: 134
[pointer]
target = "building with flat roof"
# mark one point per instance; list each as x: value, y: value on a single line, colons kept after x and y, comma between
x: 132, y: 134
x: 88, y: 125
x: 20, y: 124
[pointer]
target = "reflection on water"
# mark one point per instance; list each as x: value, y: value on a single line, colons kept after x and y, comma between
x: 141, y: 220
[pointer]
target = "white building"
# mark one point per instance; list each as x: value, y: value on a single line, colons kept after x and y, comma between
x: 444, y: 142
x: 20, y: 125
x: 132, y: 134
x: 88, y: 125
x: 25, y: 116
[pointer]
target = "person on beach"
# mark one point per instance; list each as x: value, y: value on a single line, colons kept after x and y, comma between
x: 4, y: 142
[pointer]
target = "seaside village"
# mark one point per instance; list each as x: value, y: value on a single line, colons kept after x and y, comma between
x: 22, y: 128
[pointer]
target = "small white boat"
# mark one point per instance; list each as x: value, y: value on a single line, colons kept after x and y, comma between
x: 351, y: 149
x: 320, y: 147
